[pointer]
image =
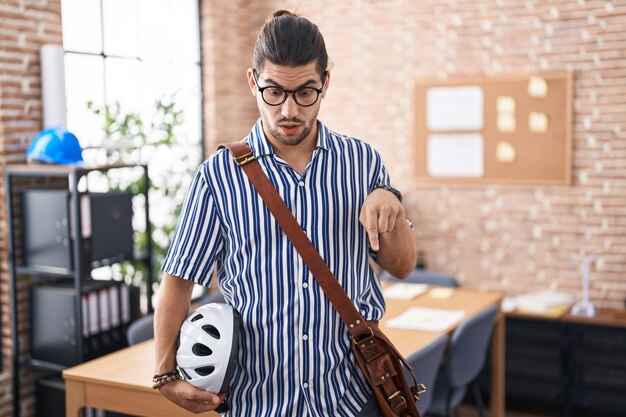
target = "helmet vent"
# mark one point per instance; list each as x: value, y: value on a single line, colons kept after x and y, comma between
x: 187, y: 377
x: 205, y: 370
x: 201, y: 350
x: 211, y: 330
x: 197, y: 317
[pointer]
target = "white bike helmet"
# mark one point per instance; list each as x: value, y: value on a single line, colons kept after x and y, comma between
x: 208, y: 343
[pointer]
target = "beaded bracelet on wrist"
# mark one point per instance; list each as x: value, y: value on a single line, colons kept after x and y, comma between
x: 165, y: 378
x: 157, y: 377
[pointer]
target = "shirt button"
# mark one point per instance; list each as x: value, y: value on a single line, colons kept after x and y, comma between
x: 305, y: 337
x: 305, y: 385
x: 305, y: 285
x: 301, y: 183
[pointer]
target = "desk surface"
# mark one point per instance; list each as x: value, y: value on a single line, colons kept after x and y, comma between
x: 122, y: 382
x: 130, y: 370
x: 603, y: 317
x: 408, y: 341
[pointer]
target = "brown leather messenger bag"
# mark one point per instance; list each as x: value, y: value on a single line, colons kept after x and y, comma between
x: 378, y: 359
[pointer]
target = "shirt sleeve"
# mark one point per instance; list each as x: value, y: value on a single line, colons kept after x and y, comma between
x: 379, y: 175
x: 197, y: 244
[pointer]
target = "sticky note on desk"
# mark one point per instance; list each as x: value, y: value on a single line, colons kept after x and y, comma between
x: 441, y: 292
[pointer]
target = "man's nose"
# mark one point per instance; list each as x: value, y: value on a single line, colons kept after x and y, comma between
x: 289, y: 109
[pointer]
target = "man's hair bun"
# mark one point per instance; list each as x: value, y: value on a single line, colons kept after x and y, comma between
x: 283, y: 13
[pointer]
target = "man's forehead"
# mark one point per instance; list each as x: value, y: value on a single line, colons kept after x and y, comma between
x: 286, y: 75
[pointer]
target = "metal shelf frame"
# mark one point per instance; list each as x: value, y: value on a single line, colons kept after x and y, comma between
x: 73, y: 174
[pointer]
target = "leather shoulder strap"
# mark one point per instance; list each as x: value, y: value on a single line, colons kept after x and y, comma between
x: 354, y: 321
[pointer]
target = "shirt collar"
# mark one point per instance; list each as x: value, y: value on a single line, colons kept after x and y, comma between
x: 261, y: 146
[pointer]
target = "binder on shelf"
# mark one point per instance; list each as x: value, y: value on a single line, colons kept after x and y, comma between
x: 105, y: 319
x: 85, y: 310
x: 126, y: 305
x: 117, y: 332
x: 94, y: 327
x: 86, y: 331
x: 107, y: 308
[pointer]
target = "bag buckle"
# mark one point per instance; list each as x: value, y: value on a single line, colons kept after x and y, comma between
x: 418, y: 389
x: 366, y: 338
x: 368, y: 347
x: 397, y: 402
x: 244, y: 159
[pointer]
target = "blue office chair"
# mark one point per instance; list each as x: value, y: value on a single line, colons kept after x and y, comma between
x: 466, y: 357
x: 140, y: 330
x: 425, y: 363
x: 421, y: 276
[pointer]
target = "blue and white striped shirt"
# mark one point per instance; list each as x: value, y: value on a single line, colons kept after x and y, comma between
x: 294, y: 358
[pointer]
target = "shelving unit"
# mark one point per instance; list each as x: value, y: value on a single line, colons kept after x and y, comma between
x: 19, y: 179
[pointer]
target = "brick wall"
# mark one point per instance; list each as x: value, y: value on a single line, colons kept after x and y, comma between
x: 513, y: 238
x: 491, y: 236
x: 227, y: 44
x: 24, y: 27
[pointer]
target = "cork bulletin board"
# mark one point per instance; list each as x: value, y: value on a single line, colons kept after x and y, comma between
x: 497, y: 129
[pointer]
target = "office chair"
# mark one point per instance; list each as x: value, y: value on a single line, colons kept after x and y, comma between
x: 466, y: 357
x: 140, y: 330
x: 214, y: 297
x: 425, y: 363
x: 143, y: 328
x: 421, y: 276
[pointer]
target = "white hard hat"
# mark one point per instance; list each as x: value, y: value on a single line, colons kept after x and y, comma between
x: 208, y: 344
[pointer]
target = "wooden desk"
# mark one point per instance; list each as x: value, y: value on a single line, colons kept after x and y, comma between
x: 603, y: 317
x: 472, y: 302
x: 121, y: 381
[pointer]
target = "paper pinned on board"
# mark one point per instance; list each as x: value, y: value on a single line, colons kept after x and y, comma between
x: 455, y: 155
x: 506, y: 122
x: 538, y: 122
x: 404, y: 291
x: 537, y: 87
x: 426, y: 319
x: 454, y: 108
x: 505, y: 152
x: 505, y: 104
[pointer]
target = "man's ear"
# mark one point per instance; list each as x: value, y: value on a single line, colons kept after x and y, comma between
x: 251, y: 82
x: 326, y: 84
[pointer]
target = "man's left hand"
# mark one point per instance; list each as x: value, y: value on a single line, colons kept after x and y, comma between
x: 381, y: 213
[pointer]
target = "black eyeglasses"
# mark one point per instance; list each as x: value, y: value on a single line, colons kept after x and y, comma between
x: 275, y: 96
